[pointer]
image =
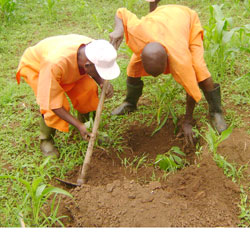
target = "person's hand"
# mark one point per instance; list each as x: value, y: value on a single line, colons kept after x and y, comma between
x: 86, y: 135
x: 116, y: 38
x: 109, y: 90
x: 188, y: 132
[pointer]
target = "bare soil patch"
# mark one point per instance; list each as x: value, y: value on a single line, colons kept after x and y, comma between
x: 200, y: 195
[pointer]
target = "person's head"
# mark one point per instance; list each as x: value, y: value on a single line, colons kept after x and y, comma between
x: 98, y: 58
x: 154, y: 58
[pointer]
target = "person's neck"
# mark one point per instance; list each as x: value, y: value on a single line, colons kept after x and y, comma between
x: 80, y: 58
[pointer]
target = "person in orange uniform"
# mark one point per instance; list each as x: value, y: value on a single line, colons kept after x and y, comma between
x: 67, y: 66
x: 168, y: 40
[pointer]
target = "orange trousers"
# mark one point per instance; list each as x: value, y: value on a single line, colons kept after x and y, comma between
x: 83, y: 95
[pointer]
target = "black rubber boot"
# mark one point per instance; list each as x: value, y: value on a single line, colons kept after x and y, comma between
x: 46, y: 137
x: 214, y: 101
x: 130, y: 103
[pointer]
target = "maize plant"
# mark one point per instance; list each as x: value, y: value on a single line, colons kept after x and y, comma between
x: 219, y: 37
x: 50, y: 5
x: 165, y: 93
x: 36, y: 196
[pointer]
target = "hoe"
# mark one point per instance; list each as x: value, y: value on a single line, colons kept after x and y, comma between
x: 82, y: 178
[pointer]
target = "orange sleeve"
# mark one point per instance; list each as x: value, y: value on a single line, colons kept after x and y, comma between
x: 196, y: 28
x: 132, y: 30
x: 125, y: 16
x: 50, y: 94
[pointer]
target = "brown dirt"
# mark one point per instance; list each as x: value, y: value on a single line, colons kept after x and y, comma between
x: 199, y: 195
x: 236, y: 149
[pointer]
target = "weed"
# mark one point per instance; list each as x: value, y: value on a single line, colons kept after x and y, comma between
x: 229, y: 169
x: 140, y: 162
x: 126, y: 50
x: 245, y: 209
x: 213, y: 139
x: 247, y: 6
x: 198, y: 150
x: 135, y: 163
x: 153, y: 177
x: 243, y: 83
x: 52, y: 219
x: 97, y: 22
x: 7, y: 8
x: 46, y: 169
x: 129, y: 4
x: 247, y: 75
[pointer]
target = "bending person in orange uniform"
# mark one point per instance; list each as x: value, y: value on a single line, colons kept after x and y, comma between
x: 168, y: 40
x: 67, y: 65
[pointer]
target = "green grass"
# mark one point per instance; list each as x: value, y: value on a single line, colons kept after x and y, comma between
x: 245, y: 209
x: 27, y: 22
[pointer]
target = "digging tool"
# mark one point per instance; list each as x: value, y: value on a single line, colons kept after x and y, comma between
x: 86, y: 164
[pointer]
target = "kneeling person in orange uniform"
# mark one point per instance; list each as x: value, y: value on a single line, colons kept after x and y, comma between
x: 168, y: 40
x: 67, y: 65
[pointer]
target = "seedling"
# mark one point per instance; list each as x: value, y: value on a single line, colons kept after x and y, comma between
x: 213, y: 138
x: 36, y: 195
x: 169, y: 161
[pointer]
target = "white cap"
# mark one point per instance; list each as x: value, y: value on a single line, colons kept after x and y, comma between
x: 103, y: 55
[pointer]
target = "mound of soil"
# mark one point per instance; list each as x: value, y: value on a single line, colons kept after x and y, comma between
x: 200, y: 195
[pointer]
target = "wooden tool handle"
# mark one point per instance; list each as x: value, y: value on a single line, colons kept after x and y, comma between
x: 82, y: 177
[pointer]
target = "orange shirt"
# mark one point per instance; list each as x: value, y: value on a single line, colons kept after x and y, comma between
x: 176, y: 28
x: 55, y: 59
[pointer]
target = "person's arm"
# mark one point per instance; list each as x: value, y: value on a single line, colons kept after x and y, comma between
x: 66, y: 116
x: 152, y: 4
x: 116, y: 37
x: 188, y: 120
x: 97, y: 79
x: 91, y: 70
